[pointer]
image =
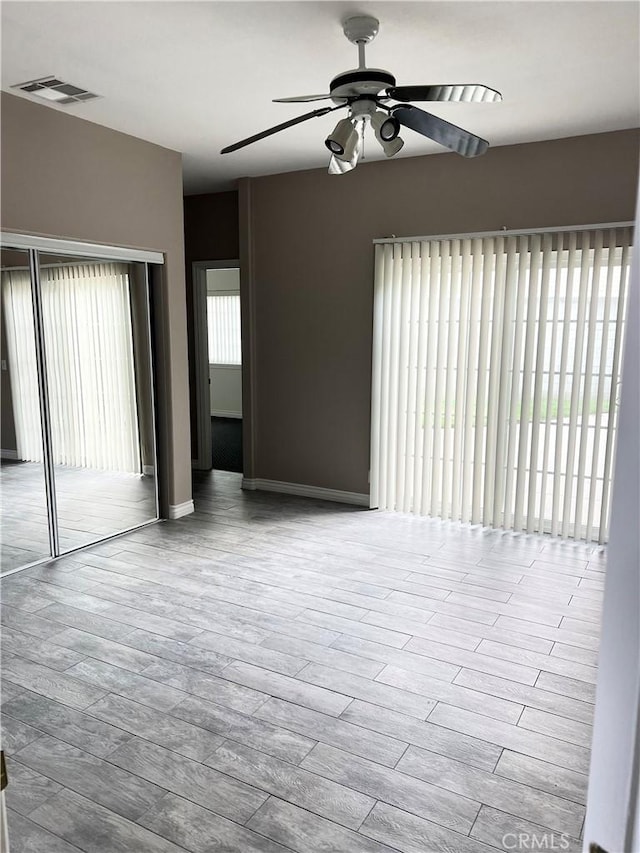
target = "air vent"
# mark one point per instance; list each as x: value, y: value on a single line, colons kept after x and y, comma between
x: 53, y: 90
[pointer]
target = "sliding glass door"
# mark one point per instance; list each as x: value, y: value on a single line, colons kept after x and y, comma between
x: 496, y: 378
x: 93, y: 439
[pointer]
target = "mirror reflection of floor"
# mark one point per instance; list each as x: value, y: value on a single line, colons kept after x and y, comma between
x: 91, y: 505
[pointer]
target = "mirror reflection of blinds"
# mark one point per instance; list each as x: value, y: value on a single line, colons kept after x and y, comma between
x: 223, y: 332
x: 89, y: 355
x: 496, y: 371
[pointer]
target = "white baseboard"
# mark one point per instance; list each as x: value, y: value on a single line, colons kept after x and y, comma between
x: 221, y: 413
x: 303, y: 491
x: 9, y: 454
x: 178, y: 510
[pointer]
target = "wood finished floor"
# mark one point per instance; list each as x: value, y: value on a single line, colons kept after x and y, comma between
x: 277, y: 674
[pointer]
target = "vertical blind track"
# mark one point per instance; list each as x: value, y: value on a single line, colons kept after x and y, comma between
x: 503, y: 232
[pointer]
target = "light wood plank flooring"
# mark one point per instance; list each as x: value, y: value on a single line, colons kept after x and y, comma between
x: 278, y: 674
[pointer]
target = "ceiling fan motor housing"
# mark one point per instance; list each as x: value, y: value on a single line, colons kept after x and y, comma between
x: 361, y: 82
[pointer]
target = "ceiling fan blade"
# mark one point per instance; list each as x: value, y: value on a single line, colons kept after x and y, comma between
x: 300, y: 99
x: 285, y: 124
x: 474, y: 93
x: 441, y: 131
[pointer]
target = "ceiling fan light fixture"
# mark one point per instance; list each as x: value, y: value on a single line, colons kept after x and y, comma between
x: 386, y: 127
x: 391, y: 147
x: 342, y: 141
x: 341, y: 165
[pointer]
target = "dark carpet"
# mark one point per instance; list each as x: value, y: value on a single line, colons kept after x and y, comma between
x: 226, y: 436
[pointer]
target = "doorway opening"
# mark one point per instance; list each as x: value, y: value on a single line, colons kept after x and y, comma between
x: 219, y: 365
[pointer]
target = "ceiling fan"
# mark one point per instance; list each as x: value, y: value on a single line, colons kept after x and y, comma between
x: 366, y: 93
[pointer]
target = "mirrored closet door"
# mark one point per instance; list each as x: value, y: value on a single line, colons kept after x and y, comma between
x: 24, y: 519
x: 76, y: 335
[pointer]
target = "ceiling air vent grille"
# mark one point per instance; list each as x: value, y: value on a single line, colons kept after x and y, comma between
x: 55, y: 91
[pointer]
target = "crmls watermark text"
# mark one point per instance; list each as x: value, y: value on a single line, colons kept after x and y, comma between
x: 535, y: 841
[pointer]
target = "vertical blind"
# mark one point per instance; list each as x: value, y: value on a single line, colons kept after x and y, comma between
x: 496, y: 369
x: 90, y: 368
x: 223, y: 322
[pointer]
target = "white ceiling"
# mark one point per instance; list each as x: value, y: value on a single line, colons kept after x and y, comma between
x: 196, y: 76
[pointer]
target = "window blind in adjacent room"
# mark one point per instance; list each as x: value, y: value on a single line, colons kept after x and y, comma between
x: 223, y: 321
x: 496, y: 371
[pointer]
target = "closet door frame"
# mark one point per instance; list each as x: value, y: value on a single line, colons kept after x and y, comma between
x: 43, y: 396
x: 35, y: 246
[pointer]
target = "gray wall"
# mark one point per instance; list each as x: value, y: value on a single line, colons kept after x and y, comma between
x: 66, y: 177
x: 308, y: 271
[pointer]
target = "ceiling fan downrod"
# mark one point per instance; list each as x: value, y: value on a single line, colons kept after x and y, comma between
x: 360, y: 30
